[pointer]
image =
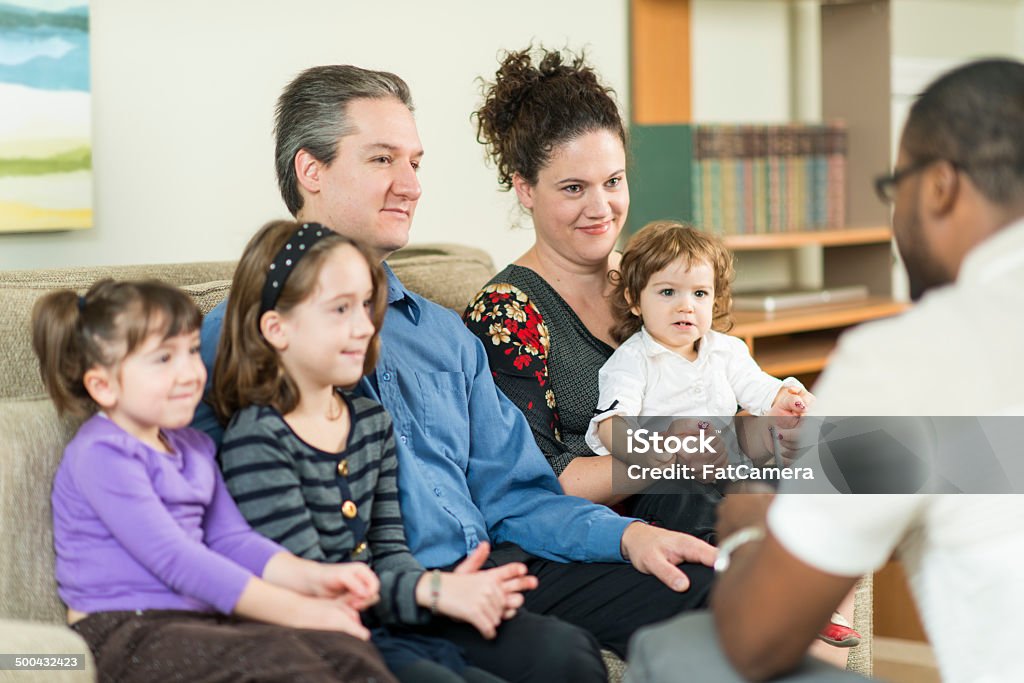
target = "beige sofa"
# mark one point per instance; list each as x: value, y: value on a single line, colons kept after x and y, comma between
x: 32, y: 437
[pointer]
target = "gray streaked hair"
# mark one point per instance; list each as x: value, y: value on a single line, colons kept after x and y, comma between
x: 311, y: 114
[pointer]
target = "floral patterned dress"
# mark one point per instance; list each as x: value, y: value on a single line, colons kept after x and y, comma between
x: 546, y: 361
x: 516, y: 315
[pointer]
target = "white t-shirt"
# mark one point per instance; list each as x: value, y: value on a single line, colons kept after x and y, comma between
x: 644, y: 378
x: 959, y: 352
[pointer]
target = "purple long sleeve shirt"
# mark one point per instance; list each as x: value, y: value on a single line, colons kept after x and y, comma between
x: 135, y: 528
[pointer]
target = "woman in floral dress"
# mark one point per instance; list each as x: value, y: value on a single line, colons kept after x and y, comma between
x: 555, y: 134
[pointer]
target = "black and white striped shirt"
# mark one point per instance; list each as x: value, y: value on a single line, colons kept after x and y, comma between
x: 329, y: 507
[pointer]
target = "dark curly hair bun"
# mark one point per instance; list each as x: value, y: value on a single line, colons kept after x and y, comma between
x: 540, y: 99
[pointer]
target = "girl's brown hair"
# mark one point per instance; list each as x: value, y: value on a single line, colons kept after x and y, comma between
x: 248, y: 370
x: 71, y: 334
x: 653, y: 248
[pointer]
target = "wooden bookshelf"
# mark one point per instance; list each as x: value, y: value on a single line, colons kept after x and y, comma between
x: 855, y: 68
x: 824, y: 238
x: 794, y: 355
x: 799, y: 341
x: 753, y: 324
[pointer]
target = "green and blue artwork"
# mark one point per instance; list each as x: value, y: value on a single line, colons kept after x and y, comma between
x: 45, y: 140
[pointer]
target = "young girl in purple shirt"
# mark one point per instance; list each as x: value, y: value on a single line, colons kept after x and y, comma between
x: 162, y: 576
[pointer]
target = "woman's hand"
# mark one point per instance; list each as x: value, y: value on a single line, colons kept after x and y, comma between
x: 766, y: 439
x: 716, y: 456
x: 482, y: 598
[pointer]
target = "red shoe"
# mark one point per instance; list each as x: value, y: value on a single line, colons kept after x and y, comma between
x: 839, y: 633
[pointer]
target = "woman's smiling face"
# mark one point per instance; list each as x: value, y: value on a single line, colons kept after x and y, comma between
x: 580, y: 200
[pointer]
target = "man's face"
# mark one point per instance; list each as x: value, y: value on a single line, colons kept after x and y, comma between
x: 369, y: 192
x: 913, y: 238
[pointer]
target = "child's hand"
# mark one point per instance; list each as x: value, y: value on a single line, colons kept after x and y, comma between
x: 327, y: 614
x: 791, y: 401
x: 352, y: 582
x: 483, y: 598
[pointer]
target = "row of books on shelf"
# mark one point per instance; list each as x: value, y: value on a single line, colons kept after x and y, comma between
x: 750, y: 179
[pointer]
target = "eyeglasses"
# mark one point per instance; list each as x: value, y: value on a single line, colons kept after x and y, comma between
x: 885, y: 185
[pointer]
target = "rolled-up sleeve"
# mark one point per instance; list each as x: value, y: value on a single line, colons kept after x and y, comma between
x: 622, y: 381
x: 513, y: 485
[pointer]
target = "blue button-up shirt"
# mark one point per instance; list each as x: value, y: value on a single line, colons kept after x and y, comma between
x: 469, y: 469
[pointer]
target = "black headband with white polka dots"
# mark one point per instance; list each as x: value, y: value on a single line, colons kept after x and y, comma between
x: 284, y: 263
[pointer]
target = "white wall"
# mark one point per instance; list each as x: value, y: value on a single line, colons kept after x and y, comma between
x: 930, y: 37
x: 949, y: 29
x: 183, y: 96
x: 740, y: 61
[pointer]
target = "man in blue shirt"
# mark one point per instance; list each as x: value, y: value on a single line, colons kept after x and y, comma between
x: 347, y: 153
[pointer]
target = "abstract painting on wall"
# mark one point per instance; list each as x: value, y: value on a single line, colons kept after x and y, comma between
x: 45, y: 138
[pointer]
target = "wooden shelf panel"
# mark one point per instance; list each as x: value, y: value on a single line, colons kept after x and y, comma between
x: 794, y: 355
x: 826, y: 238
x: 756, y: 324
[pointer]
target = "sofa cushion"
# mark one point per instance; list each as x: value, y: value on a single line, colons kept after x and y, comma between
x: 19, y: 290
x: 449, y: 274
x: 446, y: 273
x: 33, y: 440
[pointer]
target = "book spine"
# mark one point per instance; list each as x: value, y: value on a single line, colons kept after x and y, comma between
x: 775, y: 180
x: 837, y: 175
x: 730, y: 192
x: 747, y: 154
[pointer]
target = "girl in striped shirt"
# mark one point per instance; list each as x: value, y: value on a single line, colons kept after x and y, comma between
x: 313, y: 466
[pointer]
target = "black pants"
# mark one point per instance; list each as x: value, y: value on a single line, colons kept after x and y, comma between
x: 612, y: 601
x: 425, y: 671
x: 528, y: 647
x: 576, y: 609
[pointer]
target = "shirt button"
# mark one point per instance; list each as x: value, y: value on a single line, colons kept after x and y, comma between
x: 343, y: 468
x: 437, y: 491
x: 387, y: 376
x: 404, y: 438
x: 359, y: 549
x: 349, y: 509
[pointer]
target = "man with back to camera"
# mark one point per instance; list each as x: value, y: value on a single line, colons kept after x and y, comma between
x: 348, y: 152
x: 958, y: 220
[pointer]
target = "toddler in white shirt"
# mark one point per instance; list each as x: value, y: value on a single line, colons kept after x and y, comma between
x: 672, y: 304
x: 672, y: 292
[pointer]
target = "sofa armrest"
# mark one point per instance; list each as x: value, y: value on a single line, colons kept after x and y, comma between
x: 37, y: 638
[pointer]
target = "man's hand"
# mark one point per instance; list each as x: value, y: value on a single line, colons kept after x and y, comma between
x: 745, y: 504
x: 657, y: 552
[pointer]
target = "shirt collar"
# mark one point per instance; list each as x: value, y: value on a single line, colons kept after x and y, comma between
x: 652, y: 347
x: 1001, y: 253
x: 399, y: 297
